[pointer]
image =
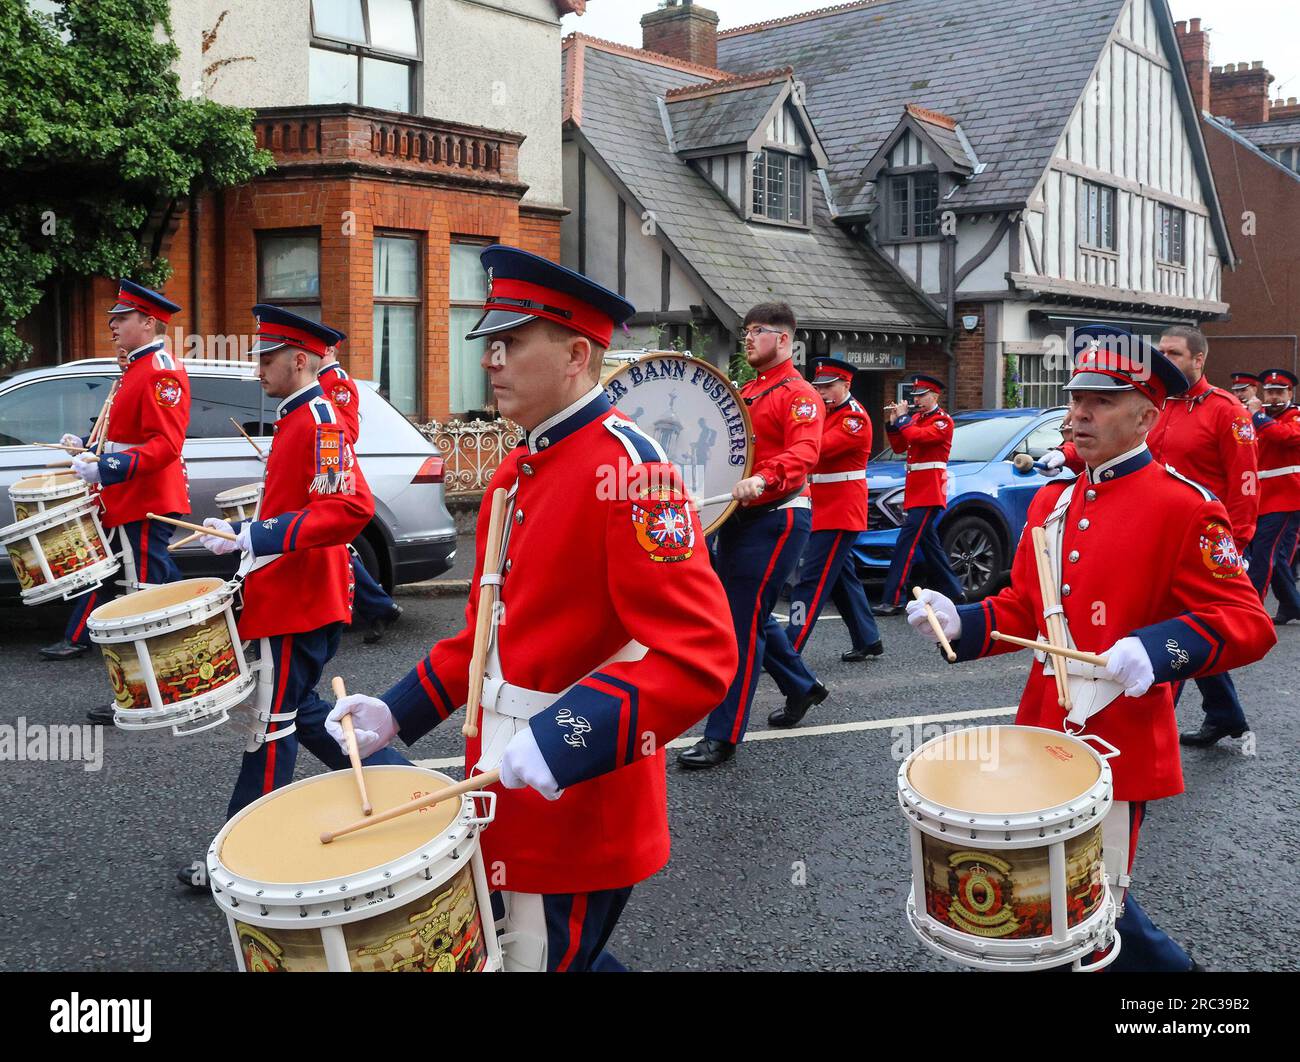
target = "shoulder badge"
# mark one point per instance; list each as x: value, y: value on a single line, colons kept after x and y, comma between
x: 803, y: 410
x: 1219, y: 551
x: 341, y: 395
x: 167, y: 391
x: 662, y: 521
x: 328, y: 473
x: 853, y: 424
x: 1243, y: 430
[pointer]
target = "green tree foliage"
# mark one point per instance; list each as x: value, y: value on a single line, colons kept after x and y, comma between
x: 95, y: 137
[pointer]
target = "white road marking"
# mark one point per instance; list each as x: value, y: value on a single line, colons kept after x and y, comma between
x: 802, y: 732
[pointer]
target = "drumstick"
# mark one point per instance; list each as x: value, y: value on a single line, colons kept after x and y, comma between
x: 1054, y: 650
x: 717, y: 499
x: 96, y: 438
x: 183, y: 542
x: 349, y: 732
x: 1055, y: 635
x: 245, y: 434
x: 215, y: 532
x: 478, y: 781
x: 487, y: 600
x: 65, y: 446
x: 936, y: 626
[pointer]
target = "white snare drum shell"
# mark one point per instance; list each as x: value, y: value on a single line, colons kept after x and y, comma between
x: 59, y: 552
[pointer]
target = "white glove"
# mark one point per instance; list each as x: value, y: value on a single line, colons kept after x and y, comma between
x: 1052, y: 462
x: 1128, y: 664
x: 523, y: 764
x: 87, y: 467
x: 69, y: 439
x: 244, y: 538
x: 943, y: 608
x: 373, y: 722
x: 217, y: 545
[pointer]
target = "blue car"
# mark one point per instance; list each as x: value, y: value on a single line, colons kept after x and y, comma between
x: 988, y: 499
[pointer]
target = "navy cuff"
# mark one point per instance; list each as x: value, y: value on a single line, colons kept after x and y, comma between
x: 1262, y: 419
x: 418, y: 703
x: 277, y: 534
x: 589, y: 731
x: 1180, y: 648
x: 975, y: 629
x: 902, y: 422
x: 118, y: 467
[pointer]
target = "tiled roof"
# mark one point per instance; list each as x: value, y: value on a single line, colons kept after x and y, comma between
x: 1277, y: 133
x: 721, y: 118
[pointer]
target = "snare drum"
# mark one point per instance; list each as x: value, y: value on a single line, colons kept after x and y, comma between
x: 406, y: 895
x: 239, y: 503
x: 35, y: 494
x: 1007, y: 869
x: 59, y: 552
x: 174, y: 656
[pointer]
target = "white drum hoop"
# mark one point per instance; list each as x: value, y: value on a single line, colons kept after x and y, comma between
x: 239, y: 503
x: 359, y: 897
x: 74, y: 583
x: 68, y: 487
x: 688, y: 375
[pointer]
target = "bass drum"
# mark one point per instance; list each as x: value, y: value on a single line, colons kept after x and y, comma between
x: 699, y: 420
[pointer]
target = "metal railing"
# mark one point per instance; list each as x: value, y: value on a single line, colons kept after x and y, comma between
x: 472, y: 450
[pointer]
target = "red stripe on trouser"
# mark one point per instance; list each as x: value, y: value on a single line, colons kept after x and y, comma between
x: 576, y: 916
x: 753, y: 628
x: 286, y: 653
x: 142, y: 554
x: 806, y: 628
x: 1272, y: 549
x: 85, y: 612
x: 907, y: 564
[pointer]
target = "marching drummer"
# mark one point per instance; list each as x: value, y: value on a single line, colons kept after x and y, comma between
x: 606, y: 594
x: 140, y: 469
x: 759, y: 546
x: 1180, y: 604
x: 1277, y: 421
x: 926, y: 438
x: 827, y: 571
x: 371, y: 605
x: 296, y: 575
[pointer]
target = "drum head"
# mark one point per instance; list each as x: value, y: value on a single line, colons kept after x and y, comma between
x: 699, y: 420
x: 1003, y: 770
x: 235, y: 495
x: 48, y: 481
x: 156, y: 598
x: 278, y: 841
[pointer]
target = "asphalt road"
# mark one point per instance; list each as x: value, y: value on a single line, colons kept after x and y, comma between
x: 792, y: 857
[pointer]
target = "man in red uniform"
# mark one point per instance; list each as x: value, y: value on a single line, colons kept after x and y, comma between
x: 760, y: 544
x: 1148, y: 574
x: 1205, y: 434
x: 926, y: 438
x: 1277, y: 423
x: 609, y: 638
x: 1245, y: 386
x: 371, y: 605
x: 839, y: 515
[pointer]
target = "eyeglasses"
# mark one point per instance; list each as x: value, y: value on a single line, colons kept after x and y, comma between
x: 758, y: 330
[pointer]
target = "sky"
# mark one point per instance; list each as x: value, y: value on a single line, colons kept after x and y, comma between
x: 1240, y: 30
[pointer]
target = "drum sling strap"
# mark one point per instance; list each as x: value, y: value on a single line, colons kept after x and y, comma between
x: 764, y: 394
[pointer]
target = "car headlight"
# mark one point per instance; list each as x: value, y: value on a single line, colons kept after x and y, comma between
x: 892, y: 505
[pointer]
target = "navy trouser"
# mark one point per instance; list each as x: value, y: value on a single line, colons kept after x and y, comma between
x: 1270, y: 560
x: 369, y: 601
x: 147, y: 540
x: 578, y: 926
x: 756, y: 554
x: 918, y: 540
x: 299, y: 660
x: 826, y: 571
x: 1219, y: 699
x: 1145, y: 947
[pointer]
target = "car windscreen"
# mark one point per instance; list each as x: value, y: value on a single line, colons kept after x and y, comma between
x: 974, y: 438
x: 43, y: 410
x: 215, y: 400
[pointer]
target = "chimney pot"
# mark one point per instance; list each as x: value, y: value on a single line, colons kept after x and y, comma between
x: 1196, y: 25
x: 1180, y: 27
x: 683, y: 31
x: 1258, y: 64
x: 1291, y: 101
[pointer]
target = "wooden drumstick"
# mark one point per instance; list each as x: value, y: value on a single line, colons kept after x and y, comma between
x: 96, y: 439
x: 240, y: 428
x: 717, y: 499
x: 215, y: 532
x: 936, y: 626
x: 1054, y: 650
x: 65, y: 446
x: 183, y: 542
x: 1055, y: 632
x: 487, y: 601
x: 349, y: 732
x: 470, y: 785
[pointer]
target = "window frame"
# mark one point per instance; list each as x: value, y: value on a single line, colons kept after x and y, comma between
x: 759, y: 187
x: 457, y: 239
x: 910, y: 176
x: 262, y: 235
x: 1109, y: 196
x: 1178, y: 215
x: 362, y: 52
x: 420, y: 415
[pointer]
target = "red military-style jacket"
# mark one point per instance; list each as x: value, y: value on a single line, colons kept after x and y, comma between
x: 1206, y: 435
x: 926, y: 438
x: 341, y: 390
x: 1148, y: 554
x: 1279, y: 460
x: 315, y: 501
x: 786, y: 413
x: 588, y: 570
x: 141, y: 468
x: 839, y: 482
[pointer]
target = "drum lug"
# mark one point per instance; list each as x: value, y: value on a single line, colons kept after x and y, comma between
x: 1111, y: 751
x: 476, y: 818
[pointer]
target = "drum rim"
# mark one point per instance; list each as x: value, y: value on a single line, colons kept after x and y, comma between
x: 69, y: 487
x: 120, y: 626
x: 247, y: 492
x: 214, y: 702
x: 56, y: 515
x: 348, y: 887
x: 82, y: 580
x: 740, y: 404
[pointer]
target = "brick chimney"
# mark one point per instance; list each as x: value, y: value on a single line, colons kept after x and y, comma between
x: 1195, y: 46
x: 682, y: 30
x: 1239, y: 91
x: 1289, y: 109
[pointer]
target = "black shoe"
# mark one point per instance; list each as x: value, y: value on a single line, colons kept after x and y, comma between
x: 194, y: 876
x: 101, y: 714
x: 379, y: 626
x: 64, y: 650
x: 1208, y: 735
x: 796, y: 708
x: 707, y: 752
x: 856, y: 656
x: 886, y: 610
x: 1280, y: 620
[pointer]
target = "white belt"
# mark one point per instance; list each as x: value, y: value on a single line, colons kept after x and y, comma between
x: 838, y: 477
x: 118, y: 447
x: 801, y: 502
x: 1270, y: 473
x: 925, y: 466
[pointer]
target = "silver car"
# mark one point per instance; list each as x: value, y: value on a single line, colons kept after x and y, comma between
x: 411, y: 537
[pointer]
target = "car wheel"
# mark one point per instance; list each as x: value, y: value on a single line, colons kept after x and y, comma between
x: 976, y: 554
x: 370, y: 560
